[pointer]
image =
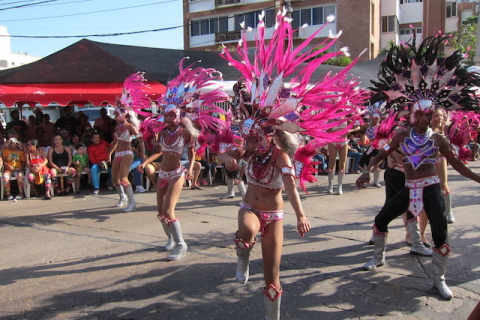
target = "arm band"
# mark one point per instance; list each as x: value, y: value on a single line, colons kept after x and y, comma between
x: 288, y: 171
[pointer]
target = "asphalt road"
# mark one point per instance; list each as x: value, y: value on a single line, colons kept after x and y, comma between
x: 78, y: 257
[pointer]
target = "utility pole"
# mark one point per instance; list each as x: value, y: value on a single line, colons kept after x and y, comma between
x: 476, y: 58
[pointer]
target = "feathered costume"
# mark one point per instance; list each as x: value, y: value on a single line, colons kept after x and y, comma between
x: 187, y: 98
x: 299, y: 106
x: 421, y: 80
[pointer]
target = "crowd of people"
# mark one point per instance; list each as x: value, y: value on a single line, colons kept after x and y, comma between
x: 417, y: 118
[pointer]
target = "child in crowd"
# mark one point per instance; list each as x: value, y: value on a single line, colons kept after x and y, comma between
x: 80, y: 163
x: 14, y: 167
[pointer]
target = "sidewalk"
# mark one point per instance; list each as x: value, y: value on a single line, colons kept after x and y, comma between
x: 78, y: 257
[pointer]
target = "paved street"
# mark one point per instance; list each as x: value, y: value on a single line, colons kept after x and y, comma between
x: 78, y: 257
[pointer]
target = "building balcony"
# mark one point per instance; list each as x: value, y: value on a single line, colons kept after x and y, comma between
x: 222, y: 3
x: 228, y: 36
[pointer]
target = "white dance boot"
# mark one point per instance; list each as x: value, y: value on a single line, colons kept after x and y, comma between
x: 170, y: 242
x: 330, y: 181
x: 230, y: 192
x: 378, y: 259
x: 418, y: 247
x: 123, y: 198
x: 132, y: 204
x: 341, y: 174
x: 439, y: 262
x: 272, y: 299
x: 243, y: 261
x: 376, y: 177
x: 180, y: 249
x: 448, y: 208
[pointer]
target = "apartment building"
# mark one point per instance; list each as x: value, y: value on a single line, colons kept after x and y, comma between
x: 9, y: 59
x: 366, y: 24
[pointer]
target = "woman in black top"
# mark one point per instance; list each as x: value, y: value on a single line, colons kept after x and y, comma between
x: 60, y: 160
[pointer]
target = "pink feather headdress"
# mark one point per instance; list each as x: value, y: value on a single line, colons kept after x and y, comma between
x: 186, y: 96
x: 298, y: 106
x: 134, y: 96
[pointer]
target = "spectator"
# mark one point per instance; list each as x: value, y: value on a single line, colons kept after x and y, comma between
x: 38, y: 133
x: 82, y: 125
x: 80, y: 163
x: 14, y: 167
x: 322, y: 158
x: 38, y: 172
x: 60, y: 160
x: 18, y: 125
x: 46, y: 142
x: 105, y: 125
x: 48, y: 126
x: 354, y: 151
x: 86, y: 138
x: 66, y: 137
x: 66, y: 122
x: 98, y: 154
x: 32, y: 127
x: 39, y: 116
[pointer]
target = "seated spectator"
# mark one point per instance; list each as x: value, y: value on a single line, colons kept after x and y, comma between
x: 354, y: 151
x: 98, y: 154
x: 134, y: 168
x: 322, y: 158
x: 38, y: 133
x: 39, y: 116
x: 38, y: 173
x: 60, y: 160
x: 73, y: 146
x: 66, y: 137
x: 14, y: 167
x: 80, y: 163
x: 86, y: 138
x: 197, y: 168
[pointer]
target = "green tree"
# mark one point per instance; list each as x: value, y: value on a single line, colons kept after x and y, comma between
x: 465, y: 38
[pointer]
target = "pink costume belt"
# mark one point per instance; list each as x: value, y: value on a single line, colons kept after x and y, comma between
x: 416, y: 187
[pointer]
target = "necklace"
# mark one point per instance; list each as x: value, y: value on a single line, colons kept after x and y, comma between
x: 171, y: 139
x: 263, y: 159
x: 420, y: 138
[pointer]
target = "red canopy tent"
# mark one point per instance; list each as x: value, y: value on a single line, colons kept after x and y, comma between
x: 67, y: 93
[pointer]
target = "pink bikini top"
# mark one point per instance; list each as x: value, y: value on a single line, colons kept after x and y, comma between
x: 264, y: 176
x: 172, y: 143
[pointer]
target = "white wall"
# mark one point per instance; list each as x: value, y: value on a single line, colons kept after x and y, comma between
x: 451, y: 24
x: 411, y: 12
x: 390, y: 8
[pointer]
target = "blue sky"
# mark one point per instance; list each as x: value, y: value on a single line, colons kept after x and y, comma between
x: 79, y: 19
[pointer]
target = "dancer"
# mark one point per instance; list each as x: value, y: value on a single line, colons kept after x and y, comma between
x: 439, y: 122
x: 268, y: 109
x: 133, y: 96
x: 423, y: 82
x: 176, y: 132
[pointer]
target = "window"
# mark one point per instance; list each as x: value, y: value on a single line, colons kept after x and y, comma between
x: 312, y: 16
x: 389, y: 24
x: 419, y: 30
x: 410, y: 1
x: 195, y: 28
x: 405, y: 31
x: 451, y: 9
x: 3, y: 64
x: 251, y: 19
x: 209, y: 26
